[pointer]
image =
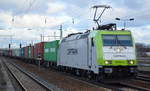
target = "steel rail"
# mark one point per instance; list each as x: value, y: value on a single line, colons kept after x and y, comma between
x: 43, y: 83
x: 144, y: 78
x: 21, y: 85
x: 129, y: 84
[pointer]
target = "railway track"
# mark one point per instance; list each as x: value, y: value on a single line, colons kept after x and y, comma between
x: 144, y: 77
x: 94, y: 83
x: 28, y: 81
x: 111, y: 86
x: 125, y: 86
x: 137, y: 84
x: 48, y: 74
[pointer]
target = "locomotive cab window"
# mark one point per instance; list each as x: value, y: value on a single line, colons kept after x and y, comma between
x: 117, y: 40
x: 109, y: 40
x: 124, y: 40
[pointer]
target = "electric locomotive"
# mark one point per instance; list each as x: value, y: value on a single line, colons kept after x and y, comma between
x: 99, y: 54
x: 103, y: 52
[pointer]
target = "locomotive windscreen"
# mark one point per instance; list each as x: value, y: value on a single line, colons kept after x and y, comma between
x: 117, y: 40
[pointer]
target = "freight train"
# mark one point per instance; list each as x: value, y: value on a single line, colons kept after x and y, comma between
x: 96, y: 54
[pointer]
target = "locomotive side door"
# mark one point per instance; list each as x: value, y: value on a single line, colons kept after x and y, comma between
x: 92, y: 55
x: 90, y: 49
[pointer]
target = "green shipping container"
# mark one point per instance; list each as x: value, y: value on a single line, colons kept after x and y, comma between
x: 29, y: 52
x: 50, y: 51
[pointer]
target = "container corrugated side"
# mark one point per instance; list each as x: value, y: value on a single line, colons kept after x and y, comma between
x: 50, y: 51
x: 39, y: 50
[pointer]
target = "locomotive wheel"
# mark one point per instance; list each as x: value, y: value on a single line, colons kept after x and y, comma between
x: 99, y: 78
x: 90, y: 75
x: 78, y: 72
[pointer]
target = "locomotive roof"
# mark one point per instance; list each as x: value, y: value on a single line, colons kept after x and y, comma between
x: 75, y: 37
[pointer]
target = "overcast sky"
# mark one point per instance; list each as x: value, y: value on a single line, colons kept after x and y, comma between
x: 26, y: 20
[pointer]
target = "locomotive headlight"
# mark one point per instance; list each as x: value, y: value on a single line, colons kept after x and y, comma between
x: 131, y: 62
x: 108, y: 62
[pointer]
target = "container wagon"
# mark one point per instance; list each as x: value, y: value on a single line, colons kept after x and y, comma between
x: 39, y: 53
x: 26, y: 54
x: 31, y: 52
x: 50, y: 53
x: 7, y: 52
x: 16, y: 53
x: 22, y: 53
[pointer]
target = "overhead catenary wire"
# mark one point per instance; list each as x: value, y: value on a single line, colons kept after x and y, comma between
x: 30, y: 5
